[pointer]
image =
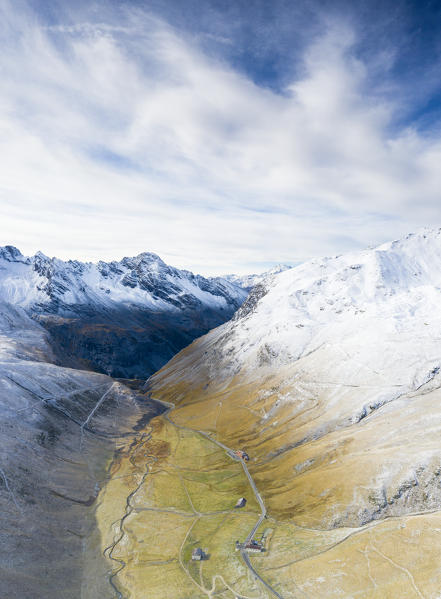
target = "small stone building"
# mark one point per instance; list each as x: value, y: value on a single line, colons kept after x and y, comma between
x: 254, y: 547
x: 198, y: 554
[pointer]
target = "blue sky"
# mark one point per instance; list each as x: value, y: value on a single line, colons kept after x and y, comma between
x: 224, y: 135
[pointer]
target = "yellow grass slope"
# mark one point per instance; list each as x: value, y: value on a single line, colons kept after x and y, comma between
x: 352, y: 516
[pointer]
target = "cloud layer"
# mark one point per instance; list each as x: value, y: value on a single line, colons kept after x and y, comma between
x: 121, y: 134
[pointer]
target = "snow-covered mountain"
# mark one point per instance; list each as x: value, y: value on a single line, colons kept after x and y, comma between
x: 55, y: 285
x: 59, y: 425
x: 247, y: 282
x: 125, y: 318
x: 391, y: 292
x: 330, y: 376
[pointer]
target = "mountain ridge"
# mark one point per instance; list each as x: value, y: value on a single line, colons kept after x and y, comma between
x: 247, y: 282
x: 388, y: 282
x: 138, y: 273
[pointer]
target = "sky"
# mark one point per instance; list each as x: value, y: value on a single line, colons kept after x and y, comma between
x: 224, y: 135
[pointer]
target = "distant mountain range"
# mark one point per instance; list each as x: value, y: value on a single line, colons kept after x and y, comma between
x: 247, y: 282
x: 123, y: 318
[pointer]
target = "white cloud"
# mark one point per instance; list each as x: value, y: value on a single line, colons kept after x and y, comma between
x: 122, y: 137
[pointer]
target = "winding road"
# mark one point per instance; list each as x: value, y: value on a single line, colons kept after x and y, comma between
x: 259, y: 499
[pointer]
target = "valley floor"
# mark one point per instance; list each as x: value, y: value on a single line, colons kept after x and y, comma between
x: 174, y: 489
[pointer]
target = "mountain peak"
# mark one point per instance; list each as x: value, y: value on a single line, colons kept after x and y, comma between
x: 382, y: 291
x: 42, y: 256
x: 276, y: 269
x: 147, y: 260
x: 149, y: 257
x: 10, y: 253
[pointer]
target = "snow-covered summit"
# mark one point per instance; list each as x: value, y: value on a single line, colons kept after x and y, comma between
x: 361, y: 300
x: 11, y: 254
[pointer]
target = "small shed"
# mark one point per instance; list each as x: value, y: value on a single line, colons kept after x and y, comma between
x: 241, y: 502
x: 240, y: 453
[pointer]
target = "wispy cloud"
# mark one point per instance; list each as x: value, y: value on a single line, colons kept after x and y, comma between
x: 122, y: 135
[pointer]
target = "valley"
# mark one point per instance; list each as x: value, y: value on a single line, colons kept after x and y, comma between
x: 188, y: 501
x: 64, y: 418
x: 327, y: 378
x: 184, y: 499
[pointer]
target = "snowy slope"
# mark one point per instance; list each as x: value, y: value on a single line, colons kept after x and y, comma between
x: 57, y: 434
x: 358, y: 300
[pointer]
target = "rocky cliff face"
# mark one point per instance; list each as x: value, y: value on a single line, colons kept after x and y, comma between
x: 125, y: 318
